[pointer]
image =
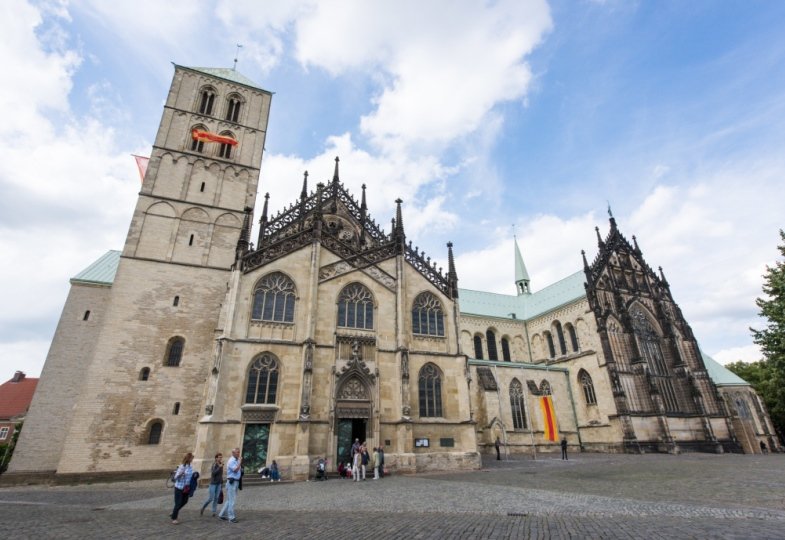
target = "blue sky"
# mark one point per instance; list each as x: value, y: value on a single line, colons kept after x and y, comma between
x: 479, y: 115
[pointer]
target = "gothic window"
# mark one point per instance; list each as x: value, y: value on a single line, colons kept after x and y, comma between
x: 427, y: 315
x: 506, y: 350
x: 144, y: 374
x: 588, y: 388
x: 430, y: 383
x: 233, y: 108
x: 545, y: 388
x: 355, y: 307
x: 206, y: 101
x: 86, y: 315
x: 154, y: 435
x: 551, y: 348
x: 651, y: 350
x: 262, y: 380
x: 174, y: 351
x: 560, y: 337
x: 225, y: 150
x: 516, y: 404
x: 490, y: 336
x: 478, y: 347
x: 742, y: 408
x: 573, y: 337
x: 273, y: 299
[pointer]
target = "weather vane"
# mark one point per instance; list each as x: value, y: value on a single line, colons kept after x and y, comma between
x: 236, y: 54
x: 513, y: 230
x: 610, y: 214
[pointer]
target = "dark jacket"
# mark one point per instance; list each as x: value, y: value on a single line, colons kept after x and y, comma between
x: 216, y: 474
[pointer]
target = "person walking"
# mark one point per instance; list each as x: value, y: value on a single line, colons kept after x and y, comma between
x: 216, y: 479
x: 381, y: 461
x: 375, y: 461
x: 234, y: 471
x: 498, y: 445
x: 182, y: 485
x: 564, y: 448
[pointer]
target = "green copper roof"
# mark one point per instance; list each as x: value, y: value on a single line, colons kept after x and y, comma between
x: 101, y: 272
x: 520, y: 268
x: 229, y: 75
x: 720, y: 374
x: 525, y: 306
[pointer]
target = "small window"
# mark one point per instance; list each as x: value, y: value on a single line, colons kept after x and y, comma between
x: 478, y: 347
x: 573, y: 337
x: 86, y: 315
x: 490, y: 337
x: 545, y: 388
x: 560, y: 337
x: 174, y: 352
x: 144, y: 374
x: 154, y: 437
x: 233, y: 109
x: 551, y: 348
x: 191, y: 240
x: 3, y: 433
x: 176, y: 301
x: 588, y: 388
x: 506, y: 350
x: 176, y: 408
x: 206, y: 101
x: 202, y: 188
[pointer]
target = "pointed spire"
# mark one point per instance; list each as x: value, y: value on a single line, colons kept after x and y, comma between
x: 304, y: 192
x: 398, y: 234
x: 585, y: 262
x: 245, y: 235
x: 335, y: 174
x: 334, y: 204
x: 662, y: 278
x: 635, y: 245
x: 363, y: 218
x: 521, y: 275
x: 613, y: 223
x: 452, y: 275
x: 263, y: 221
x: 600, y: 243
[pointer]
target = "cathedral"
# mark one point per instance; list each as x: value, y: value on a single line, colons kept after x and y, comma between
x: 325, y: 328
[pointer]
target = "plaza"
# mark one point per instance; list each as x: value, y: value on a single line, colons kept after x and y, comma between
x: 587, y: 496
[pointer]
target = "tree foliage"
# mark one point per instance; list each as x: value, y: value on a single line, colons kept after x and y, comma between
x: 771, y: 339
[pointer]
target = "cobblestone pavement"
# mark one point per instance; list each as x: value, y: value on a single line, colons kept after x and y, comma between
x: 589, y: 496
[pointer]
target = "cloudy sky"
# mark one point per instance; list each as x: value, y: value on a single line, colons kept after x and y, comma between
x: 480, y: 115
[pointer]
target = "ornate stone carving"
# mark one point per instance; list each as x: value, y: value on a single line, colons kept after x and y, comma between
x: 353, y: 389
x: 259, y: 416
x: 405, y: 363
x: 208, y: 409
x: 406, y: 411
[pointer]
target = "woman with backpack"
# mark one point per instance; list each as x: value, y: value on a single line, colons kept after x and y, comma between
x: 182, y: 485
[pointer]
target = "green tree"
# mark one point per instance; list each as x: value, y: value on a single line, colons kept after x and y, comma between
x: 772, y: 338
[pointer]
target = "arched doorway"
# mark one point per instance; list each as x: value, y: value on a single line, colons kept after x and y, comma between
x: 353, y: 413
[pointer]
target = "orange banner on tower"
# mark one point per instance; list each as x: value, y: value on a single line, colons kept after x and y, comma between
x: 199, y: 135
x: 549, y: 419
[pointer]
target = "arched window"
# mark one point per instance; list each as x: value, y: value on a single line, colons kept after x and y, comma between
x: 545, y: 388
x: 355, y: 307
x: 651, y: 350
x: 197, y: 146
x: 144, y: 374
x: 176, y: 408
x: 86, y: 315
x: 273, y: 299
x: 176, y: 301
x: 551, y: 348
x: 560, y: 337
x: 427, y: 316
x: 154, y: 435
x: 206, y: 101
x: 225, y: 150
x: 233, y: 108
x: 478, y: 347
x: 430, y: 383
x: 516, y: 404
x: 506, y: 350
x: 573, y: 337
x: 174, y: 351
x: 262, y: 380
x: 491, y: 339
x: 588, y: 388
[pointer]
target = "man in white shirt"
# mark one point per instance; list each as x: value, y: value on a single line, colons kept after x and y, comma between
x: 233, y: 471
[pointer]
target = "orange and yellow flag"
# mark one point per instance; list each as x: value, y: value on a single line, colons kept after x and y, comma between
x: 549, y: 418
x: 199, y: 135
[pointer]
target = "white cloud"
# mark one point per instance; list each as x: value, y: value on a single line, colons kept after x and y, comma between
x: 27, y: 356
x: 749, y: 353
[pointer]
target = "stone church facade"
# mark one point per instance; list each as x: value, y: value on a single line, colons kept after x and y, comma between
x: 328, y: 329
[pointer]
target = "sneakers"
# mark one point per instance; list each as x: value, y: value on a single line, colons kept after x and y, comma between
x: 224, y: 518
x: 234, y: 520
x: 175, y: 522
x: 201, y: 512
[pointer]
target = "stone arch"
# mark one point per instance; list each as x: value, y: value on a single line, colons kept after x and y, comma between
x: 193, y: 236
x: 157, y: 231
x: 223, y: 242
x: 172, y: 171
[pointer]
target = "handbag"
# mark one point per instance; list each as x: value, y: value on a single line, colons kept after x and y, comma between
x: 221, y: 497
x: 187, y: 489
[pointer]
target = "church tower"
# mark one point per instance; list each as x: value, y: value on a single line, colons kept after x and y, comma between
x: 142, y: 387
x: 522, y: 281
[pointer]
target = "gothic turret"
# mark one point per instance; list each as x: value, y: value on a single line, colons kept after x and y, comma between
x: 521, y: 275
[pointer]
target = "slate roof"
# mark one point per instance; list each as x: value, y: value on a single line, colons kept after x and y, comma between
x: 229, y: 75
x: 15, y: 397
x: 720, y: 374
x: 101, y: 272
x: 526, y: 306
